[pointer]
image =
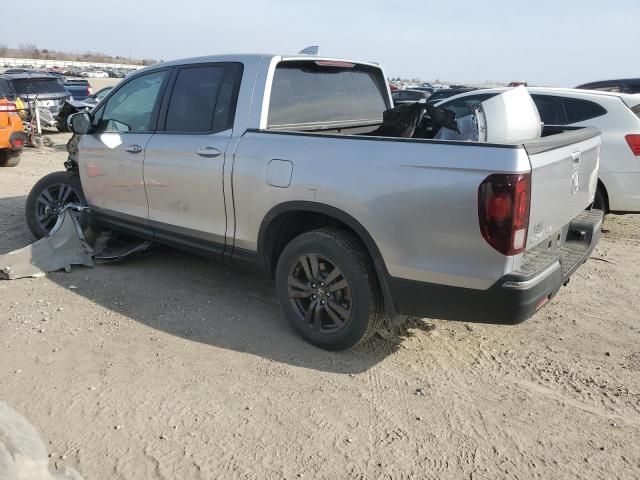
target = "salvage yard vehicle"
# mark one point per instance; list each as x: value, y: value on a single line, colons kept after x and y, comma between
x: 78, y: 88
x: 72, y: 106
x: 11, y: 134
x: 48, y: 90
x: 409, y: 96
x: 270, y: 159
x: 616, y: 115
x: 623, y: 85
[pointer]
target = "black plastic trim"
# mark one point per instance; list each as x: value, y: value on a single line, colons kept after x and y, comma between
x: 503, y: 303
x: 199, y: 243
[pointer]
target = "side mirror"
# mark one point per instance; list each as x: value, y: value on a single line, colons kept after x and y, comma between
x: 79, y: 123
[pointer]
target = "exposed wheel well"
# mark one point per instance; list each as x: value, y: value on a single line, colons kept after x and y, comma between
x: 605, y: 194
x: 288, y: 225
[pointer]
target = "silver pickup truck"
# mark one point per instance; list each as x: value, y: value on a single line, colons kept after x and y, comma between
x: 274, y: 160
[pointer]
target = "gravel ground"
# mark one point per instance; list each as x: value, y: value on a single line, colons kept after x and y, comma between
x: 173, y: 367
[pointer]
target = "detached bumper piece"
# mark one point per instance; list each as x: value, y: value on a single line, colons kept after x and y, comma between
x: 65, y: 246
x: 516, y: 296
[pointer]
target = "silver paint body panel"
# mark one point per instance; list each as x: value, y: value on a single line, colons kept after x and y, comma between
x: 416, y: 198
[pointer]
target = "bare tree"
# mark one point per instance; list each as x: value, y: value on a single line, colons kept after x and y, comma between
x: 30, y: 50
x: 3, y: 50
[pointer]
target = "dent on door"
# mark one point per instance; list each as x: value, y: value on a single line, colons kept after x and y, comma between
x: 279, y: 173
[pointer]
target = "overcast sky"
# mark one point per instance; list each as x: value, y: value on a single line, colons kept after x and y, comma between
x: 545, y: 42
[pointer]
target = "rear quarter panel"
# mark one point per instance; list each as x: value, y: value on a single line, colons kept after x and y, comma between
x: 416, y: 198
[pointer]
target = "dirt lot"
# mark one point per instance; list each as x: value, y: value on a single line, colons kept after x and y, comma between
x: 171, y: 367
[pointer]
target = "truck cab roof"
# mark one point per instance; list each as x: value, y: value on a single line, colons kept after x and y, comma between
x: 253, y: 58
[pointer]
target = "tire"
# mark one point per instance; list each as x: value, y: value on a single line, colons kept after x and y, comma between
x: 346, y: 316
x: 9, y: 159
x: 39, y: 205
x: 600, y: 200
x: 37, y: 142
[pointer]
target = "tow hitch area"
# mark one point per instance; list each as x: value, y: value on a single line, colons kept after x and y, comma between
x: 66, y: 246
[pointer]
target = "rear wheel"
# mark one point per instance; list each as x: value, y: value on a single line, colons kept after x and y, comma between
x: 48, y: 197
x: 9, y: 159
x: 328, y: 289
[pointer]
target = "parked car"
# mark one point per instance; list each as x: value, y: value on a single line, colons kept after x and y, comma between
x: 625, y: 85
x: 617, y: 116
x: 423, y: 88
x: 78, y: 88
x: 94, y: 74
x: 441, y: 94
x: 518, y: 83
x: 20, y: 70
x: 409, y: 96
x: 12, y: 136
x: 48, y: 90
x: 271, y: 160
x: 72, y: 106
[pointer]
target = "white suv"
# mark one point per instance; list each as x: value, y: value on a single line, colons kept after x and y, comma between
x: 616, y: 115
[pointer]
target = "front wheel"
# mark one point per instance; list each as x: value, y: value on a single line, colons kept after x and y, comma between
x: 328, y: 289
x: 48, y: 197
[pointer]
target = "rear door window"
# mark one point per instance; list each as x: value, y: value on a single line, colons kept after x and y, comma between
x: 578, y: 110
x: 306, y: 95
x: 203, y: 99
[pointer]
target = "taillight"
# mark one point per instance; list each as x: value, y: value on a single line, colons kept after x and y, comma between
x: 634, y: 143
x: 503, y: 211
x: 8, y: 108
x: 89, y: 91
x: 17, y: 143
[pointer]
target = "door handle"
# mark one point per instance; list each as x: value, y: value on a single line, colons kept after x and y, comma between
x: 134, y: 149
x: 208, y: 152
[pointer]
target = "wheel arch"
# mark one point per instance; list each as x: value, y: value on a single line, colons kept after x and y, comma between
x: 605, y: 193
x: 287, y: 220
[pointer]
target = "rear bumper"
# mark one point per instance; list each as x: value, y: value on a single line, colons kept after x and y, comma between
x: 513, y: 298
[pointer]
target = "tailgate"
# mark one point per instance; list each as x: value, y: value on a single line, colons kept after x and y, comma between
x: 564, y: 178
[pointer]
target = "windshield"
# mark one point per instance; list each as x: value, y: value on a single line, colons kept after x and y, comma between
x: 32, y: 86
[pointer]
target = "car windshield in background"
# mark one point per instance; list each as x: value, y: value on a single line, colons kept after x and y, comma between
x: 305, y: 94
x: 32, y: 86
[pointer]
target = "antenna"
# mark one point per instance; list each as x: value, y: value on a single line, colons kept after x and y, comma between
x: 313, y: 50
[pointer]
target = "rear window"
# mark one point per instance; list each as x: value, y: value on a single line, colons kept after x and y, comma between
x: 307, y: 95
x: 32, y: 86
x: 581, y: 110
x: 636, y: 110
x: 551, y: 109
